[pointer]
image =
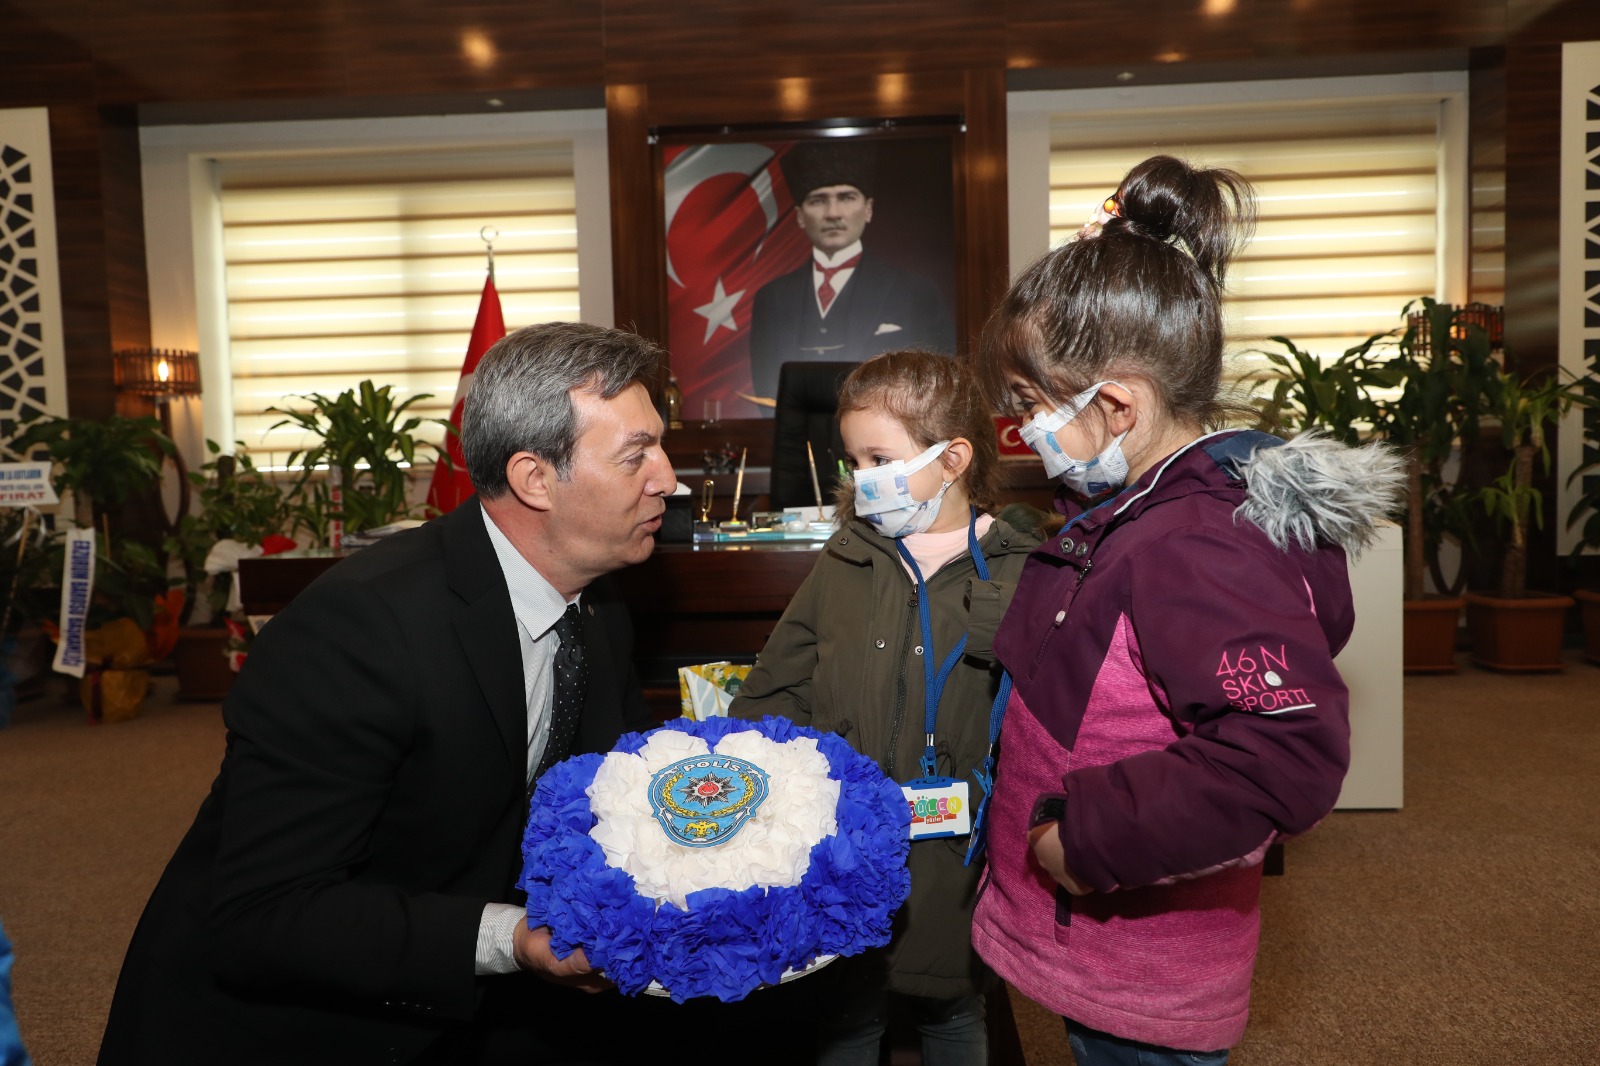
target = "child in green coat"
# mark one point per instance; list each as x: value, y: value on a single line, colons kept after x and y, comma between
x: 854, y: 654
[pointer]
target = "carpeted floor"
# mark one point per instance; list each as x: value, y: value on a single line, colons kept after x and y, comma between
x: 1462, y: 929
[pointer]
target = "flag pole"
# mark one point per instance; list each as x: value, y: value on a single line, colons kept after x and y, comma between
x: 451, y: 484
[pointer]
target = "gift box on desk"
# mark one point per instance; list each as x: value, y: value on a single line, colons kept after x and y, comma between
x: 707, y: 689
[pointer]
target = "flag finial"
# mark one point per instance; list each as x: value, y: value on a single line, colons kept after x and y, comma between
x: 488, y: 235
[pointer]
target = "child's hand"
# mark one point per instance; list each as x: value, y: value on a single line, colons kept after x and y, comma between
x: 1045, y: 839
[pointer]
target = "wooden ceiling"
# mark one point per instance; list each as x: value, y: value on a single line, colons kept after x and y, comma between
x: 118, y: 52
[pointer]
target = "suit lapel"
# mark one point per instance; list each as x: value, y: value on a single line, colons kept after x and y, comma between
x: 487, y: 628
x: 795, y: 321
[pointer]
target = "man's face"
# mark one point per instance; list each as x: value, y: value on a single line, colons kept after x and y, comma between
x: 608, y: 510
x: 834, y: 216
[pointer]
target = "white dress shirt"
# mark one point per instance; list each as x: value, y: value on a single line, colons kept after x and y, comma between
x: 821, y: 258
x: 538, y: 607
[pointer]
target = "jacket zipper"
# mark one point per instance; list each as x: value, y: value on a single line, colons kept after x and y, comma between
x: 1061, y: 614
x: 900, y: 690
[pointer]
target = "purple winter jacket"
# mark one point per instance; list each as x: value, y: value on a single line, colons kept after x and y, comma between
x: 1172, y: 651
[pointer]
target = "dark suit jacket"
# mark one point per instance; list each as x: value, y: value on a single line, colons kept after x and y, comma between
x: 324, y: 906
x: 880, y: 296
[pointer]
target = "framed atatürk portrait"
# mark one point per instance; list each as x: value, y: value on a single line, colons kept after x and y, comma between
x: 828, y: 243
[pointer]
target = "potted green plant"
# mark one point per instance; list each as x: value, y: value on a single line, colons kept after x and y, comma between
x: 25, y: 577
x: 132, y: 616
x: 1420, y: 389
x: 1513, y: 628
x: 239, y: 510
x: 1334, y: 397
x: 369, y: 439
x: 1443, y: 372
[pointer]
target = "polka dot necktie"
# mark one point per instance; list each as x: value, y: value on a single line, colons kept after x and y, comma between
x: 826, y: 292
x: 571, y: 686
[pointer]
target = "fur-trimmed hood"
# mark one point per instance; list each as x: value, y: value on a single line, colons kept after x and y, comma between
x: 1314, y: 488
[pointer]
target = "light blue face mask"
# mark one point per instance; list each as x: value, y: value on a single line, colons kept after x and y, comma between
x: 1087, y: 477
x: 883, y: 495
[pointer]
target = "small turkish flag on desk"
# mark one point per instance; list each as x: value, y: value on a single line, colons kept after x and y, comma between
x: 450, y: 484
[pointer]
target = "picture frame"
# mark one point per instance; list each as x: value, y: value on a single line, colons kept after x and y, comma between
x: 737, y: 299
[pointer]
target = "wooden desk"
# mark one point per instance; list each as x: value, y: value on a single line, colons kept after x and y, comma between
x: 266, y: 585
x: 700, y: 604
x: 690, y: 604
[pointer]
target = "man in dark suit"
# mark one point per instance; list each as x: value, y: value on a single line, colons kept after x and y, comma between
x: 846, y: 304
x: 345, y: 894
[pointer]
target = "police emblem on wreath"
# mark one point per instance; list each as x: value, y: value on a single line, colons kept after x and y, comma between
x: 703, y: 801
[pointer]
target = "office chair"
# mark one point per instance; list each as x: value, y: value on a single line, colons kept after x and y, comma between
x: 807, y: 406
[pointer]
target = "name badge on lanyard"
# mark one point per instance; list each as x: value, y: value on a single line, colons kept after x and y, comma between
x: 940, y: 807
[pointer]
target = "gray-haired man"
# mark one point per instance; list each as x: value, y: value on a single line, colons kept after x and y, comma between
x: 346, y: 892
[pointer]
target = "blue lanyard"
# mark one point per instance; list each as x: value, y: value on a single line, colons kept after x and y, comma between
x: 934, y: 682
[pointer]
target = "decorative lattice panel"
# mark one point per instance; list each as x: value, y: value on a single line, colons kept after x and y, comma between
x: 1591, y: 277
x: 23, y: 388
x: 1580, y: 270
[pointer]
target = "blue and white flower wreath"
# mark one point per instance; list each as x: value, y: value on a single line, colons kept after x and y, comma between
x: 818, y: 870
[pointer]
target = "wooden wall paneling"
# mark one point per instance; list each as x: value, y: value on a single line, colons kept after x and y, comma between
x: 79, y: 139
x: 40, y: 64
x: 1533, y: 181
x: 1046, y: 33
x: 772, y: 101
x: 488, y: 46
x: 204, y: 50
x: 719, y: 41
x: 1486, y: 150
x: 981, y: 192
x: 638, y: 258
x: 122, y: 197
x: 1533, y: 241
x: 1533, y: 187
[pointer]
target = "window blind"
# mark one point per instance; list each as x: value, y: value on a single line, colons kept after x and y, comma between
x: 1347, y: 197
x: 370, y: 265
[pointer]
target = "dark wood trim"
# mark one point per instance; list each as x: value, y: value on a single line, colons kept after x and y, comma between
x: 638, y: 260
x: 105, y: 299
x: 981, y: 194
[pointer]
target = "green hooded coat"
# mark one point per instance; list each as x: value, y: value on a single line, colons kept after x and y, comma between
x: 846, y: 657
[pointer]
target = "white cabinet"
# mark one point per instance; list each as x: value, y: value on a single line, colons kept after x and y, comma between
x: 1371, y: 666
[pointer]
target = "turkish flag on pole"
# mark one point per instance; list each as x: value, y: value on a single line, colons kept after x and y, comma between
x: 450, y: 484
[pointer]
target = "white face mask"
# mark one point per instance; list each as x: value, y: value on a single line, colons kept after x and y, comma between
x: 1087, y: 477
x: 883, y: 495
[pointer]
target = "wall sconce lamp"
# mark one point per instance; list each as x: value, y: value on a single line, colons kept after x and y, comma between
x: 1488, y: 317
x: 160, y: 374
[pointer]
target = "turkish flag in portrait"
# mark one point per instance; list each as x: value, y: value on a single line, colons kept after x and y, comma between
x: 730, y: 230
x: 450, y: 484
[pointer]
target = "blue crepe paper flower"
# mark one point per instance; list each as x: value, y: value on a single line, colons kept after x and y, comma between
x: 728, y: 942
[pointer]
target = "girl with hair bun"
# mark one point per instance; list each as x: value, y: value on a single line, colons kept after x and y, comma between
x: 1176, y: 709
